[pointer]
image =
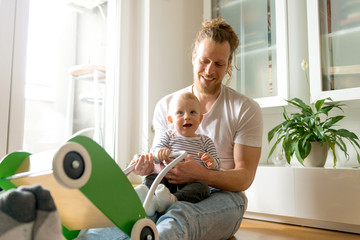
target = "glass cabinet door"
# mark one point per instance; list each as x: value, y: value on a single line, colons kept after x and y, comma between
x: 334, y: 49
x: 261, y: 59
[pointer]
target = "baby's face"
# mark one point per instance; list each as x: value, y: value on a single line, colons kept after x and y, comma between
x: 186, y: 117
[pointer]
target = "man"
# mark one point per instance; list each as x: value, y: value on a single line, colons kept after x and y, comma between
x: 234, y: 122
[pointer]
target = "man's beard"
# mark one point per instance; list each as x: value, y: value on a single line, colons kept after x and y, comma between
x: 204, y: 89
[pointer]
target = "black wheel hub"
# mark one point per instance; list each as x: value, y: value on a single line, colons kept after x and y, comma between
x: 73, y: 165
x: 147, y: 234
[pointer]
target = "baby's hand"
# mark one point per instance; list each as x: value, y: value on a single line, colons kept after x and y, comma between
x: 207, y: 159
x: 163, y: 154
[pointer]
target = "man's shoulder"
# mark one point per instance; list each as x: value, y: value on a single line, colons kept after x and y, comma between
x: 235, y: 97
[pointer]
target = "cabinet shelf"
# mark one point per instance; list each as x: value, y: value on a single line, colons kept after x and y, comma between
x: 343, y: 32
x: 228, y: 4
x: 342, y: 70
x: 257, y: 50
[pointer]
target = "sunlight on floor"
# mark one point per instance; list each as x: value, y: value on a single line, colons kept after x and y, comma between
x: 260, y: 230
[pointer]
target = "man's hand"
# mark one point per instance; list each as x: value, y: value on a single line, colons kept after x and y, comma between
x: 186, y: 171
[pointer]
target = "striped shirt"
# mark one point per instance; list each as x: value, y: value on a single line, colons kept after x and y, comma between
x: 192, y: 145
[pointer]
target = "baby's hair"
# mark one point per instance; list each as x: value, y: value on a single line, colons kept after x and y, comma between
x: 218, y: 31
x: 183, y: 95
x: 187, y: 95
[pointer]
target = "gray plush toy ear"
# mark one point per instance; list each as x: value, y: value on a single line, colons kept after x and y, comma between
x: 29, y: 212
x: 17, y: 214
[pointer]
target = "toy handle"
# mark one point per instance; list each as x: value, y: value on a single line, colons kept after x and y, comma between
x: 180, y: 155
x: 176, y: 154
x: 129, y: 169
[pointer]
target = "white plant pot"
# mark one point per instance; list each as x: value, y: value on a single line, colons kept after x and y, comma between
x: 317, y: 156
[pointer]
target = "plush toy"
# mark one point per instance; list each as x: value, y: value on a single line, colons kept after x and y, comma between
x: 29, y: 212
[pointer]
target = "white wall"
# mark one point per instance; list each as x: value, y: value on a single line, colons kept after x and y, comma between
x: 7, y: 13
x: 13, y: 29
x: 173, y: 28
x: 154, y: 60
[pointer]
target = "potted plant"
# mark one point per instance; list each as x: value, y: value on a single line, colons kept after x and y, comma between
x: 311, y: 124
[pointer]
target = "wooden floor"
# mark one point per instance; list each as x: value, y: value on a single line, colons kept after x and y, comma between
x: 261, y: 230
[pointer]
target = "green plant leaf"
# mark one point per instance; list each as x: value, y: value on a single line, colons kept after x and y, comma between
x: 332, y: 147
x: 309, y: 121
x: 274, y: 147
x: 319, y: 104
x: 356, y: 143
x: 307, y: 138
x: 346, y: 133
x: 298, y: 154
x: 300, y: 104
x: 272, y: 132
x: 289, y: 148
x: 357, y: 153
x: 340, y: 143
x: 296, y: 116
x: 286, y: 124
x: 331, y: 121
x: 319, y: 132
x: 328, y: 108
x: 286, y: 117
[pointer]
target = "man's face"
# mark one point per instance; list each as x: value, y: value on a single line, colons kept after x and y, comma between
x: 210, y: 64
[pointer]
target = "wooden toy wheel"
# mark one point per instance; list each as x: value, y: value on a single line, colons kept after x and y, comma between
x: 72, y: 165
x: 144, y: 229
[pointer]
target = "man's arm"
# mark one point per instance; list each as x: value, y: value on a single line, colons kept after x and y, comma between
x: 238, y: 179
x: 241, y: 177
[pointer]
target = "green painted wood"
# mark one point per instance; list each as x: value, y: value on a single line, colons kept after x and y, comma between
x: 8, y: 166
x: 109, y: 189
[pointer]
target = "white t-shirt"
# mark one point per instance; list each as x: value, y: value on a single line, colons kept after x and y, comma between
x: 233, y: 118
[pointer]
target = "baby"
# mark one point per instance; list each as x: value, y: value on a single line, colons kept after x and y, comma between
x: 185, y: 116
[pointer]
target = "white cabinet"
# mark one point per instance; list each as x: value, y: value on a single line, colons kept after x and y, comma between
x: 334, y: 49
x: 262, y: 57
x: 317, y: 197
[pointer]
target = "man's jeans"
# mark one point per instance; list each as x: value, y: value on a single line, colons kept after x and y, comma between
x: 217, y: 217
